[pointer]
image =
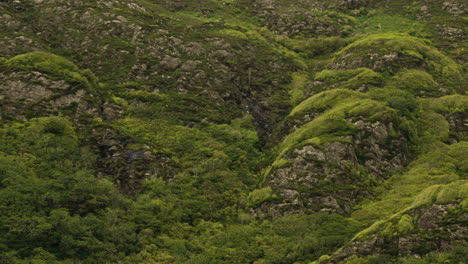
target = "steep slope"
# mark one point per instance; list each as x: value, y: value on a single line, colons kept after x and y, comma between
x: 233, y: 131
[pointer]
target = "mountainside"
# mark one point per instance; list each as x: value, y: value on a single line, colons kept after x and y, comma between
x: 233, y: 131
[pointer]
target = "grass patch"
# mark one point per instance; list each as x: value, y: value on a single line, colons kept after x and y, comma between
x: 385, y: 23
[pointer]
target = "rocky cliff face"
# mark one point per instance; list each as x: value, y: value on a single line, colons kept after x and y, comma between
x: 435, y: 222
x: 333, y: 176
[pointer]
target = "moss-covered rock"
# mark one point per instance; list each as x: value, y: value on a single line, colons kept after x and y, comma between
x: 52, y: 65
x: 341, y: 143
x: 417, y: 82
x: 415, y: 229
x: 387, y: 53
x: 355, y: 79
x: 40, y: 83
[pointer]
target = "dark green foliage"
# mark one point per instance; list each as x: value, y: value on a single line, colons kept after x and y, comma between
x: 285, y: 240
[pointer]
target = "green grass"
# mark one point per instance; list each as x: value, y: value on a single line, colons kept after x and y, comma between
x: 385, y: 23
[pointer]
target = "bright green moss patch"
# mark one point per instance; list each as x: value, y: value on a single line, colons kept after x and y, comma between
x: 325, y: 100
x: 399, y: 224
x: 431, y: 127
x: 440, y: 164
x: 415, y: 81
x: 405, y: 225
x: 453, y: 192
x: 298, y: 87
x: 385, y: 43
x: 259, y: 196
x: 53, y: 65
x: 401, y: 100
x: 120, y: 101
x: 334, y: 121
x: 280, y: 163
x: 394, y: 41
x: 459, y: 153
x: 448, y: 104
x: 350, y: 79
x: 442, y: 194
x: 366, y: 233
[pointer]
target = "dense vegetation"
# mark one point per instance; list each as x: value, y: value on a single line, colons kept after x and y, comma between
x: 233, y: 131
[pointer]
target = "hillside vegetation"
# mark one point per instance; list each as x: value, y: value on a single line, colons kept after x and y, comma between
x: 233, y: 131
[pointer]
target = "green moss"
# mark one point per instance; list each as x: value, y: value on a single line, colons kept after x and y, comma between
x: 453, y: 192
x: 394, y: 41
x: 405, y: 225
x: 366, y: 233
x: 427, y: 197
x: 459, y: 153
x: 53, y: 65
x: 56, y: 125
x: 435, y: 168
x: 145, y: 96
x: 336, y: 106
x: 325, y: 100
x: 350, y: 79
x: 448, y: 104
x: 401, y: 100
x: 231, y: 33
x: 315, y: 141
x: 432, y: 127
x: 298, y: 87
x: 281, y: 163
x: 120, y: 101
x: 258, y: 196
x: 438, y: 64
x: 324, y: 259
x: 265, y: 39
x: 399, y: 224
x: 415, y: 81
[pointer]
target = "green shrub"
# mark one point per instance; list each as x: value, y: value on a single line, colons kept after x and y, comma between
x: 56, y: 125
x: 259, y: 196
